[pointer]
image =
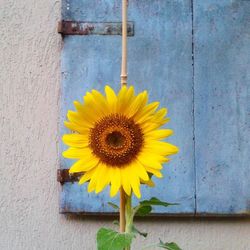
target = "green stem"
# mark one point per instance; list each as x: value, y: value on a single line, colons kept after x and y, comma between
x: 129, y: 215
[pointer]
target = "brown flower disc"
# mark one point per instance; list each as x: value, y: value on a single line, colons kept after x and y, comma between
x: 116, y: 140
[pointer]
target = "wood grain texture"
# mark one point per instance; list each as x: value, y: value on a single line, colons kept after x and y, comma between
x: 160, y: 60
x: 222, y: 106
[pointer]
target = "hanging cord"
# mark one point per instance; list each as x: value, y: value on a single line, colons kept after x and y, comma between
x: 123, y: 83
x: 124, y: 75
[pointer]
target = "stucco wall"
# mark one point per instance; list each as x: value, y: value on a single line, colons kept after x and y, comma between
x: 29, y: 108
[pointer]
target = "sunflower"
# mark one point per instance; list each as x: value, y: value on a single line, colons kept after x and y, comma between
x: 117, y: 140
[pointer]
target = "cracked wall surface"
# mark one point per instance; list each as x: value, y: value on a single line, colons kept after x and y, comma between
x: 29, y: 113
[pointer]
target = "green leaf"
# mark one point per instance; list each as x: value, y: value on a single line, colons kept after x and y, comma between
x: 144, y: 210
x: 113, y: 205
x: 108, y: 239
x: 169, y: 246
x: 135, y: 230
x: 145, y: 207
x: 156, y: 202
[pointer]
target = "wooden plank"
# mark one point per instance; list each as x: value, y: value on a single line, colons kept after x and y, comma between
x: 160, y: 60
x: 222, y: 106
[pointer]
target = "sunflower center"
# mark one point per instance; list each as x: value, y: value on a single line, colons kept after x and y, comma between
x: 116, y: 140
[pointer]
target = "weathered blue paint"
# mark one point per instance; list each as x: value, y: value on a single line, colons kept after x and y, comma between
x: 160, y: 60
x: 222, y: 106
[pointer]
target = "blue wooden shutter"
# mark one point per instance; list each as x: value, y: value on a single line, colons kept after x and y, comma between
x: 192, y: 56
x: 160, y: 60
x: 222, y: 106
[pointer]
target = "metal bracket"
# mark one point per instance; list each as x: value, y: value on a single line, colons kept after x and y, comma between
x: 63, y: 176
x: 93, y: 28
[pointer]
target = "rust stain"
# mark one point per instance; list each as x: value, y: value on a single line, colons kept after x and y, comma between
x: 74, y: 28
x: 92, y: 28
x: 63, y: 176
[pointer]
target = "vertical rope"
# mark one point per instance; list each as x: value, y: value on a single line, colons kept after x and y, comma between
x: 124, y: 43
x: 123, y: 82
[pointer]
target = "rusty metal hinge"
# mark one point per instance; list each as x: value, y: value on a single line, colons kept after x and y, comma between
x: 63, y: 176
x: 93, y: 28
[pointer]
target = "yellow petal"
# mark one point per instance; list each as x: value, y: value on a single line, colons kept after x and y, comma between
x: 125, y: 98
x: 75, y: 140
x: 122, y: 93
x: 78, y: 119
x: 162, y: 148
x: 146, y: 112
x: 76, y: 128
x: 155, y: 172
x: 115, y: 181
x: 100, y: 102
x: 121, y: 99
x: 139, y: 169
x: 165, y: 160
x: 156, y: 120
x: 161, y: 113
x: 87, y: 112
x: 95, y: 106
x: 147, y: 155
x: 86, y: 176
x: 94, y: 179
x: 83, y: 165
x: 135, y: 183
x: 103, y: 178
x: 150, y: 126
x: 149, y: 161
x: 87, y: 99
x: 111, y: 98
x: 159, y: 134
x: 125, y: 180
x: 77, y: 153
x: 138, y: 103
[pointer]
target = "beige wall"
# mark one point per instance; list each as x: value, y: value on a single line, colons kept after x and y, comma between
x: 29, y: 110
